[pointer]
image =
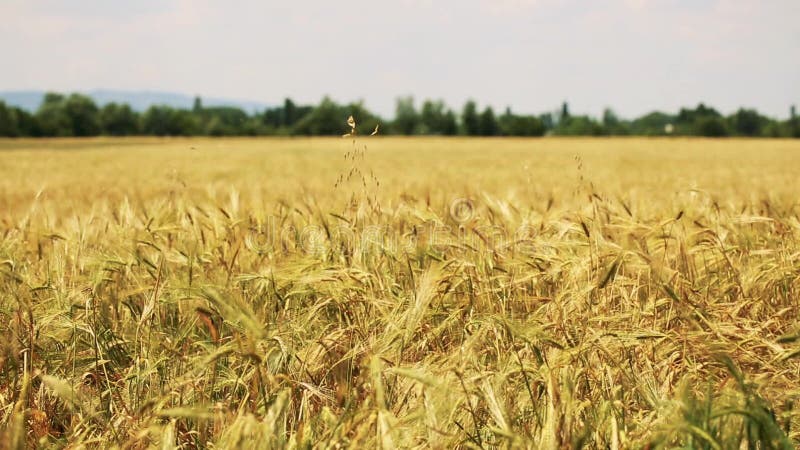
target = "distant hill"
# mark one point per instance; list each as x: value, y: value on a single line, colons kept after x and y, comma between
x: 139, y: 100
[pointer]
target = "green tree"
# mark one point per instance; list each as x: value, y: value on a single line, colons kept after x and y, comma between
x: 701, y: 121
x: 514, y: 125
x: 710, y: 126
x: 652, y: 124
x: 289, y: 113
x: 548, y: 121
x: 52, y: 116
x: 579, y: 126
x: 76, y: 115
x: 283, y: 119
x: 83, y: 114
x: 437, y: 119
x: 487, y: 123
x: 26, y: 123
x: 118, y: 120
x: 8, y: 121
x: 792, y: 126
x: 470, y: 119
x: 612, y: 125
x: 406, y: 118
x: 167, y: 121
x: 748, y: 122
x: 450, y: 124
x: 326, y: 119
x: 272, y: 117
x: 224, y: 121
x: 564, y: 116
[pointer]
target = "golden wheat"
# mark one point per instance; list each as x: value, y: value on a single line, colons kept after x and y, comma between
x: 201, y: 293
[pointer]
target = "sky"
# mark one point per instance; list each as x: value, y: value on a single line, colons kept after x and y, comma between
x: 634, y: 56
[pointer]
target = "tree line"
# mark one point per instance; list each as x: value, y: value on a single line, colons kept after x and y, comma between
x: 61, y: 115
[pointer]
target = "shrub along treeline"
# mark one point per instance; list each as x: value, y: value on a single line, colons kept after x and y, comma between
x: 78, y: 115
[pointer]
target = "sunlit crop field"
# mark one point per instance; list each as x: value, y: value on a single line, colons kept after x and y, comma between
x: 400, y: 293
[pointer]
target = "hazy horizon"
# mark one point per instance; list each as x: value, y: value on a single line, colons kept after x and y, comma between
x: 634, y: 56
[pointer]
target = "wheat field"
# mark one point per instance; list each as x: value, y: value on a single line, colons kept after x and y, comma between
x: 400, y: 293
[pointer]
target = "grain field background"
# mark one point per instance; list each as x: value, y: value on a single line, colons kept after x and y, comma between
x: 400, y: 293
